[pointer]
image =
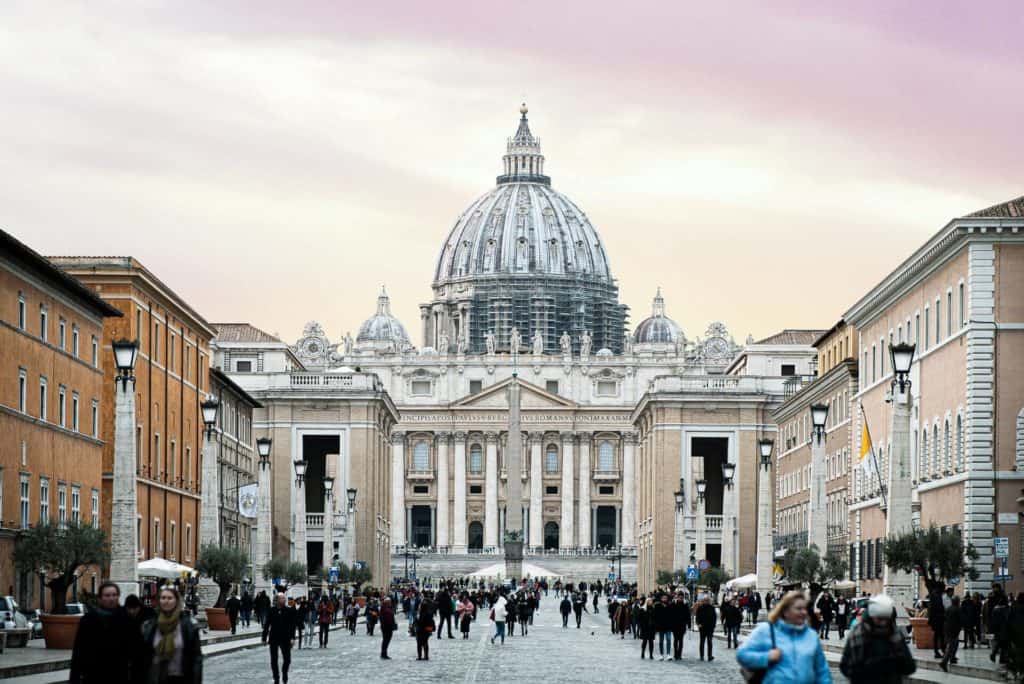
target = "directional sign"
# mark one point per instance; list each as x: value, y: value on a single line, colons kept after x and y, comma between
x: 703, y: 564
x: 1002, y: 578
x: 611, y: 576
x: 691, y: 574
x: 1002, y: 545
x: 335, y: 574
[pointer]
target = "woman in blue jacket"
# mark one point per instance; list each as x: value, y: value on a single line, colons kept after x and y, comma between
x: 796, y: 656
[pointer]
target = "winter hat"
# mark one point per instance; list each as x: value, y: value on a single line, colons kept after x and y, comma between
x: 881, y: 606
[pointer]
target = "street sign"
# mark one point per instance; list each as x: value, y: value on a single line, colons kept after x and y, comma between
x: 1002, y: 578
x: 1002, y: 545
x: 611, y: 576
x: 334, y: 574
x: 704, y: 564
x: 953, y: 581
x: 359, y: 565
x: 691, y: 574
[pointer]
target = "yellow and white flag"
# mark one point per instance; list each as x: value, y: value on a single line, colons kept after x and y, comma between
x: 867, y: 449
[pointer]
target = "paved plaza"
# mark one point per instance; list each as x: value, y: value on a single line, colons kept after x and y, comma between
x: 549, y: 654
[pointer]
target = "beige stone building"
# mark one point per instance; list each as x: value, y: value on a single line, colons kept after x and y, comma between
x: 958, y: 298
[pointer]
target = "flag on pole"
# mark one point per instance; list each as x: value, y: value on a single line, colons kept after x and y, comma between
x: 866, y: 448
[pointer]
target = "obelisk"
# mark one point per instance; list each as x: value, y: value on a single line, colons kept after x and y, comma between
x: 514, y: 488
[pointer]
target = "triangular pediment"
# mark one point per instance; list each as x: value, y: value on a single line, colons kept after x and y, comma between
x: 530, y: 397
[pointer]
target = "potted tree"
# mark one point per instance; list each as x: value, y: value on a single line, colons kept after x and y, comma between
x: 225, y: 566
x: 287, y: 572
x: 57, y: 553
x: 937, y: 556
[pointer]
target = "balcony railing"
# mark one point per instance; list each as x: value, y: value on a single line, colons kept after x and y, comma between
x: 420, y: 474
x: 607, y: 475
x: 718, y: 384
x: 627, y: 551
x: 795, y: 540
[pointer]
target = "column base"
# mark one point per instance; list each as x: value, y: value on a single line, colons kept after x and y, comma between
x: 459, y: 548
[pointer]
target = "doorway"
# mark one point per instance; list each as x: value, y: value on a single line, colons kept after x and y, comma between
x: 422, y: 526
x: 712, y: 452
x: 551, y: 536
x: 315, y: 449
x: 476, y: 536
x: 606, y: 518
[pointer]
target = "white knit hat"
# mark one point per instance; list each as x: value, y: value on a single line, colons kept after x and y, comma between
x: 881, y: 606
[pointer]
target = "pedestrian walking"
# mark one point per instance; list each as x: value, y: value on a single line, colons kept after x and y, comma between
x: 246, y: 605
x: 511, y: 615
x: 171, y: 652
x: 645, y: 624
x: 842, y: 615
x: 937, y: 620
x: 732, y: 620
x: 424, y: 627
x: 388, y: 625
x: 371, y: 614
x: 261, y: 604
x: 311, y: 616
x: 952, y: 625
x: 498, y: 615
x: 876, y: 651
x: 107, y: 644
x: 579, y: 604
x: 351, y: 615
x: 324, y: 616
x: 706, y: 620
x: 970, y: 613
x: 466, y: 612
x: 663, y: 626
x: 785, y: 648
x: 279, y: 631
x: 233, y: 608
x: 680, y: 620
x: 565, y: 608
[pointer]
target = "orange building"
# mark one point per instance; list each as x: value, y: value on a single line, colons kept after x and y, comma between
x: 172, y: 379
x: 52, y: 397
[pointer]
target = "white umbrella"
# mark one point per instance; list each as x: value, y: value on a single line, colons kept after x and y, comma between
x: 744, y: 582
x: 163, y: 568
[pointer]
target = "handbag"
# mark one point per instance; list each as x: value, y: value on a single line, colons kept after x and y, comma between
x: 757, y: 676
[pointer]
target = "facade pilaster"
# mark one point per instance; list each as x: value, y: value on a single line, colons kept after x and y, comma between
x: 566, y: 538
x: 459, y: 513
x: 584, y: 496
x: 491, y: 492
x: 443, y: 438
x: 629, y: 489
x: 536, y: 489
x: 398, y: 536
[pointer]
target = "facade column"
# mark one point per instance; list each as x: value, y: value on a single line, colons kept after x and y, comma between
x: 299, y: 540
x: 566, y: 538
x: 398, y: 535
x: 124, y: 538
x: 817, y: 527
x: 899, y: 517
x: 459, y: 531
x: 209, y: 518
x: 442, y: 488
x: 536, y: 490
x: 328, y: 553
x: 765, y: 544
x: 584, y: 497
x: 491, y: 492
x: 263, y: 523
x: 628, y: 489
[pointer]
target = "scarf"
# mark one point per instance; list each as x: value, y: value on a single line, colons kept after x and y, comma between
x: 168, y: 626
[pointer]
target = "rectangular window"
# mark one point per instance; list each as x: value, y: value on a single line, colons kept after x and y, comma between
x: 788, y: 369
x: 74, y: 340
x: 25, y: 520
x: 62, y: 334
x: 158, y: 543
x: 551, y: 489
x: 938, y: 321
x: 62, y: 504
x: 874, y: 363
x: 22, y: 390
x: 171, y: 531
x: 156, y: 457
x: 74, y: 411
x: 188, y: 467
x: 62, y: 409
x: 927, y: 328
x: 243, y: 366
x: 917, y: 329
x: 551, y: 386
x: 188, y: 362
x: 95, y: 419
x: 475, y: 386
x: 476, y: 489
x: 171, y: 350
x: 44, y: 333
x: 606, y: 489
x: 607, y: 388
x: 138, y: 325
x: 174, y: 461
x: 949, y: 313
x: 95, y: 352
x: 21, y: 311
x: 76, y: 504
x: 188, y: 541
x: 44, y: 499
x: 42, y: 398
x: 421, y: 489
x: 963, y: 307
x: 156, y: 342
x: 96, y: 508
x: 420, y: 387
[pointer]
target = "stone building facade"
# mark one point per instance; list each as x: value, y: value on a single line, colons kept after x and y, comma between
x: 52, y: 396
x: 172, y: 380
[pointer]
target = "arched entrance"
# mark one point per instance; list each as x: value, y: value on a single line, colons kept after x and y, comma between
x: 551, y: 536
x: 476, y: 536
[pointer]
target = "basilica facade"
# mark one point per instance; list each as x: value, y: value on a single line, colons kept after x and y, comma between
x: 524, y: 287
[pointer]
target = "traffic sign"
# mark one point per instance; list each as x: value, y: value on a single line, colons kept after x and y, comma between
x: 704, y: 564
x: 1002, y: 545
x: 335, y: 574
x: 611, y: 576
x: 691, y: 574
x: 1002, y: 578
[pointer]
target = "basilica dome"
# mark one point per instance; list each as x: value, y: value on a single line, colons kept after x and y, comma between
x: 382, y: 330
x: 658, y: 328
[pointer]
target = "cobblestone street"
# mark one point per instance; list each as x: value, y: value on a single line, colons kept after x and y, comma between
x: 549, y: 654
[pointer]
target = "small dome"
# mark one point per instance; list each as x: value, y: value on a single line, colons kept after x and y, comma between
x: 604, y: 352
x: 658, y: 328
x: 382, y: 331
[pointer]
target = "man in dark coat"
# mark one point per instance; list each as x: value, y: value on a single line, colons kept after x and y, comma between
x: 952, y: 625
x: 706, y: 619
x: 579, y: 604
x: 279, y: 631
x: 876, y: 651
x: 108, y: 645
x: 937, y: 620
x: 444, y: 612
x: 246, y: 607
x: 233, y: 606
x: 679, y: 618
x: 565, y: 608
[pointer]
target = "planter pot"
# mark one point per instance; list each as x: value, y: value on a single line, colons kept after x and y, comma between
x: 217, y: 619
x: 59, y: 631
x: 924, y: 637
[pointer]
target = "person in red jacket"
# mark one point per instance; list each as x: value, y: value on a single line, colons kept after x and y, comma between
x: 324, y: 616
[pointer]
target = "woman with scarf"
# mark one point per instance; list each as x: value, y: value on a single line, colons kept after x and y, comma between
x: 171, y: 648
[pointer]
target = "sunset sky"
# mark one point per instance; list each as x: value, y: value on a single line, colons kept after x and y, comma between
x: 764, y: 163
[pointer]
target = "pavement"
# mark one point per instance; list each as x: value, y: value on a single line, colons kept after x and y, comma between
x: 548, y: 654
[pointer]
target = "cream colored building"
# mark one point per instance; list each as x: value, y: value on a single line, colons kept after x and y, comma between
x: 959, y: 299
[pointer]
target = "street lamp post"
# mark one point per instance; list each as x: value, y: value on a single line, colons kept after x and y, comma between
x: 900, y: 585
x: 299, y: 506
x: 263, y: 543
x: 702, y: 488
x: 680, y: 537
x: 209, y: 521
x: 328, y: 554
x: 124, y: 540
x: 765, y: 547
x: 350, y: 532
x: 817, y: 528
x: 728, y: 519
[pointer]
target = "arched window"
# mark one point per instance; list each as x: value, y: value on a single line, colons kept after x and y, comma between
x: 946, y: 448
x: 923, y: 462
x: 551, y: 459
x: 476, y: 459
x: 959, y: 442
x: 421, y: 456
x: 551, y: 535
x: 605, y: 456
x: 936, y: 454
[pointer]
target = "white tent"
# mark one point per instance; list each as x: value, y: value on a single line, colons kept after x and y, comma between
x: 744, y: 582
x: 529, y: 570
x: 163, y: 568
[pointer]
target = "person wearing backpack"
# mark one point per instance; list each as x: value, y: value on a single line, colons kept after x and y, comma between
x: 876, y: 651
x: 785, y: 650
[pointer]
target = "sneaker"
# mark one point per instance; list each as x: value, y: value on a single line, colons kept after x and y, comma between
x: 710, y: 658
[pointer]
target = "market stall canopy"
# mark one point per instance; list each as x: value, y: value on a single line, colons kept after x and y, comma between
x: 529, y: 570
x: 163, y: 568
x: 744, y: 582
